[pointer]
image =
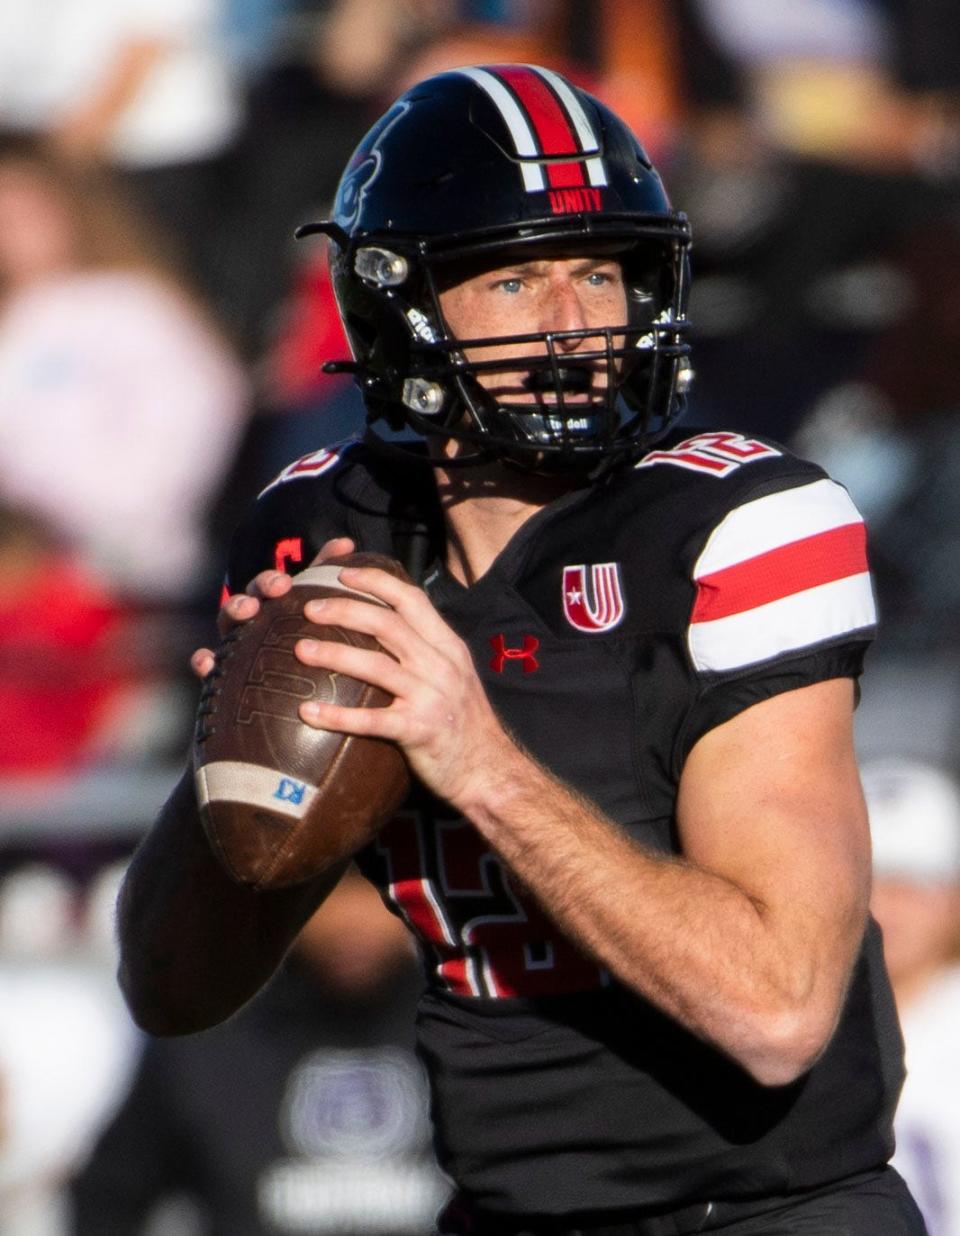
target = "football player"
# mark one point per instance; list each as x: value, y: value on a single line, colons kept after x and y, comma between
x: 637, y: 860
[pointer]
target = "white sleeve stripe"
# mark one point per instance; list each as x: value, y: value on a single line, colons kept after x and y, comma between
x: 776, y: 519
x: 789, y: 624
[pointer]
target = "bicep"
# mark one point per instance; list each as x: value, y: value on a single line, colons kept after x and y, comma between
x: 771, y: 800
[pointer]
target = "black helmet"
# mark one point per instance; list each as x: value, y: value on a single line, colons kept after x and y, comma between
x: 485, y: 166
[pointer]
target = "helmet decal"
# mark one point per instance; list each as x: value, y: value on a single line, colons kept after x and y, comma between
x: 546, y: 121
x: 364, y: 169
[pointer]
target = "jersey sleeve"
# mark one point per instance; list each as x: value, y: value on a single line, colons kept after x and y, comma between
x: 290, y: 520
x: 782, y: 598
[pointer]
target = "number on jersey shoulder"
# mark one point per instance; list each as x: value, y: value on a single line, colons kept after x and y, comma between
x: 717, y: 454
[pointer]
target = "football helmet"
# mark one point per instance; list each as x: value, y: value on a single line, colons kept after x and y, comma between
x: 481, y: 166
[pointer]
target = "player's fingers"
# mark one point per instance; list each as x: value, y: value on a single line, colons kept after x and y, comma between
x: 269, y: 584
x: 411, y: 602
x: 376, y: 668
x: 202, y: 662
x: 363, y: 722
x: 243, y: 606
x: 238, y: 608
x: 402, y: 597
x: 401, y: 639
x: 336, y: 547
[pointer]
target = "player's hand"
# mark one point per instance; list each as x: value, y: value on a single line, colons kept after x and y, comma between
x: 243, y: 606
x: 440, y: 714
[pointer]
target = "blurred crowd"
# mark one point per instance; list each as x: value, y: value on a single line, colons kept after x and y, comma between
x: 161, y: 337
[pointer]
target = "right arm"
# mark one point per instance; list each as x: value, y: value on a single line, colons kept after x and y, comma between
x: 194, y: 944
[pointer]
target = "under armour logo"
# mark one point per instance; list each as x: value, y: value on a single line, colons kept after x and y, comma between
x: 290, y: 791
x: 501, y: 653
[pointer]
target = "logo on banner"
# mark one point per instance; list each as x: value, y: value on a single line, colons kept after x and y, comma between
x: 593, y: 602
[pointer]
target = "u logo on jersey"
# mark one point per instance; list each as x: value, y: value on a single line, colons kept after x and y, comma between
x: 596, y: 604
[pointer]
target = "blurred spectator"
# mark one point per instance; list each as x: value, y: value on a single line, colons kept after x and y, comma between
x: 477, y: 33
x: 120, y: 405
x: 892, y: 435
x: 652, y: 61
x: 362, y: 43
x: 914, y: 811
x: 66, y: 1050
x: 314, y: 72
x: 306, y: 1112
x: 798, y: 204
x: 143, y: 86
x: 846, y: 80
x: 303, y: 408
x: 64, y: 664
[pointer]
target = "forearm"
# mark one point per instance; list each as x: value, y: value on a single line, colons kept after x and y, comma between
x: 194, y: 944
x: 750, y: 938
x: 692, y: 942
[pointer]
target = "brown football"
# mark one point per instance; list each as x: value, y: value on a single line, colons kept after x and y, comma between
x: 281, y: 801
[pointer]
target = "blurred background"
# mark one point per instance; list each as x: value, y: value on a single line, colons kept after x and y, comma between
x: 160, y: 343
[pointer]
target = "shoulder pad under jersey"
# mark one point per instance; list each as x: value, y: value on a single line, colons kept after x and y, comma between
x: 773, y: 549
x: 340, y: 490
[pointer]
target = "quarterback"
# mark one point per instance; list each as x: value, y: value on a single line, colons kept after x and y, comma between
x: 636, y: 857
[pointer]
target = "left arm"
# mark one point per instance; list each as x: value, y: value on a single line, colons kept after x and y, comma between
x: 749, y: 938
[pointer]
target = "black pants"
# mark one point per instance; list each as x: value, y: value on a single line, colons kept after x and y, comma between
x: 872, y: 1204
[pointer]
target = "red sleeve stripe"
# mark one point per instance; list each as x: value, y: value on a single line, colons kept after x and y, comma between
x: 778, y: 574
x: 821, y: 559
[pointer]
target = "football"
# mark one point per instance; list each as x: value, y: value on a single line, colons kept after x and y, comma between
x: 281, y: 801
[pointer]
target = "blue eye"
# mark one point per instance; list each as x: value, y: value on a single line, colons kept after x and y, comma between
x: 510, y: 285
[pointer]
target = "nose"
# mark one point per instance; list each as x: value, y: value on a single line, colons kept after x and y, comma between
x: 563, y: 310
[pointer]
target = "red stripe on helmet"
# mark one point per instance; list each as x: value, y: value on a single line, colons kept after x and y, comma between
x: 555, y: 134
x: 565, y: 175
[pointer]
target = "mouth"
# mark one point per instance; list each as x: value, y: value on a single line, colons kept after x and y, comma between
x: 574, y: 380
x: 552, y: 392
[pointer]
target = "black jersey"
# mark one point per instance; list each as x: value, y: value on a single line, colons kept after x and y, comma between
x: 619, y: 625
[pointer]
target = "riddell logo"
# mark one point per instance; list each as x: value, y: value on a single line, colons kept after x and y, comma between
x: 574, y: 201
x: 502, y: 654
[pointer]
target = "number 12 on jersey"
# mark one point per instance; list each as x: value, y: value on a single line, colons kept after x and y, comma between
x: 483, y: 936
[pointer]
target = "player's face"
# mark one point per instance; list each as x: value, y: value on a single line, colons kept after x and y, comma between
x: 545, y: 295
